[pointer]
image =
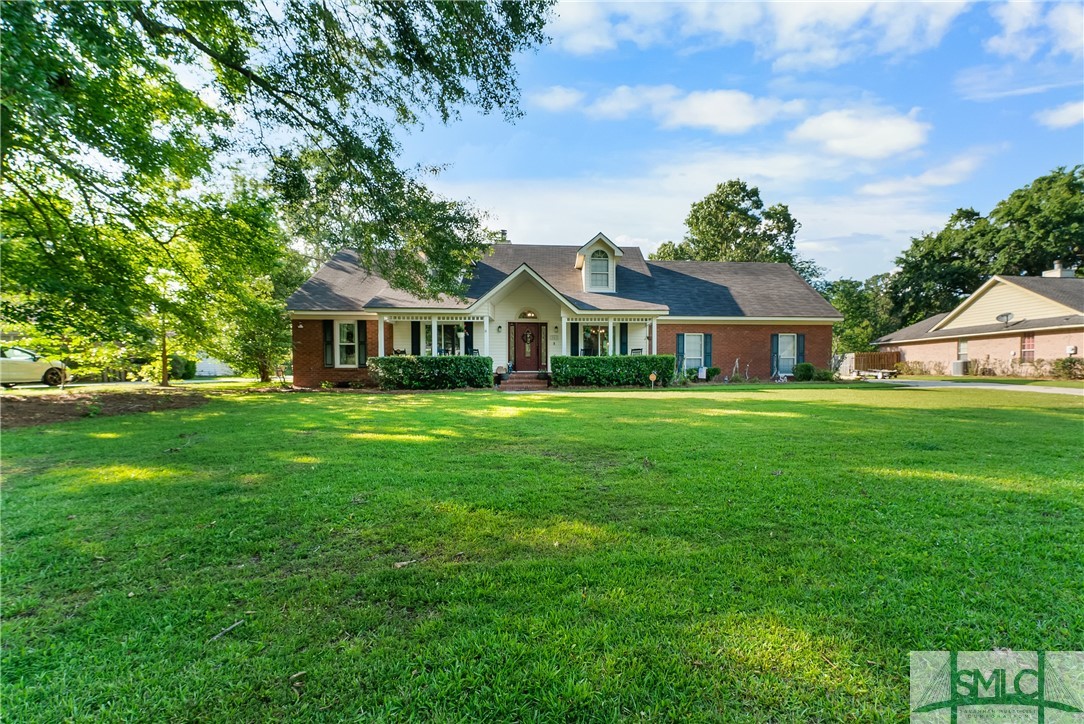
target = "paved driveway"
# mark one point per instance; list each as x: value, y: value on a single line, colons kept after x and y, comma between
x: 934, y: 384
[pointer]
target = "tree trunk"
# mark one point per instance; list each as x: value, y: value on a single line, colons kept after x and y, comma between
x: 265, y: 371
x: 165, y: 357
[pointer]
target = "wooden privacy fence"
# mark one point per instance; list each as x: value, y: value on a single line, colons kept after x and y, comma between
x: 876, y: 360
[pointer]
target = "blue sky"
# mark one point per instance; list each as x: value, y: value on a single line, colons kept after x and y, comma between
x: 872, y: 121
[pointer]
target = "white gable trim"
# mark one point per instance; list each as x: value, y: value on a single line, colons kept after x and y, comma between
x: 519, y: 271
x: 599, y: 238
x: 989, y: 284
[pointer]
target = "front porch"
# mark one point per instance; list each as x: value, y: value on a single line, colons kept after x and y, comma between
x: 522, y: 341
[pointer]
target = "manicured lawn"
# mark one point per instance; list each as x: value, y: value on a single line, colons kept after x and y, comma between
x: 751, y: 554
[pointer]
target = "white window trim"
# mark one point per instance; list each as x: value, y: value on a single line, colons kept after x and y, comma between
x: 794, y: 357
x: 338, y: 348
x: 603, y: 349
x: 589, y: 277
x: 700, y: 357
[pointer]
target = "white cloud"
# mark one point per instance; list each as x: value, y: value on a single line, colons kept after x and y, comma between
x: 721, y: 111
x: 625, y: 100
x: 954, y: 172
x: 1063, y: 116
x: 1018, y: 21
x: 1066, y: 24
x: 854, y: 237
x: 994, y: 82
x: 1025, y: 30
x: 863, y: 133
x: 724, y: 111
x: 795, y: 36
x: 556, y: 98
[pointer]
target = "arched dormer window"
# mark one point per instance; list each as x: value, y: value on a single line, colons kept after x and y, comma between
x: 600, y: 269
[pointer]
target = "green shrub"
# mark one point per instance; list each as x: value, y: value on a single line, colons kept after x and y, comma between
x: 714, y: 372
x: 431, y: 373
x: 803, y: 372
x: 1069, y: 368
x: 611, y: 371
x: 824, y: 376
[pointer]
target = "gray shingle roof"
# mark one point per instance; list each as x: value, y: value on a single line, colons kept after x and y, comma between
x: 919, y: 330
x: 1063, y: 290
x: 693, y: 289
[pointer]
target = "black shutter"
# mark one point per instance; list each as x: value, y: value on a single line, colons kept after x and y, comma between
x: 707, y: 350
x: 415, y: 338
x: 329, y: 343
x: 775, y: 355
x: 574, y: 334
x: 680, y: 359
x: 801, y: 348
x: 363, y: 342
x: 624, y: 337
x: 468, y: 337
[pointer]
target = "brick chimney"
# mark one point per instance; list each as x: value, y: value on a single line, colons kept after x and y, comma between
x: 1058, y: 271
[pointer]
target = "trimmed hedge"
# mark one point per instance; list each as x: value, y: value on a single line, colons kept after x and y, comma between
x: 611, y: 371
x: 431, y: 373
x: 803, y: 372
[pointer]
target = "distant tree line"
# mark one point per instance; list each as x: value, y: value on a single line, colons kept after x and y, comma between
x: 1023, y: 234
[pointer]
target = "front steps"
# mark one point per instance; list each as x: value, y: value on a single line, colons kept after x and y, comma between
x: 524, y: 382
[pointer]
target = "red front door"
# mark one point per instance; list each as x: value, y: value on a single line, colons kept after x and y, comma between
x: 527, y: 346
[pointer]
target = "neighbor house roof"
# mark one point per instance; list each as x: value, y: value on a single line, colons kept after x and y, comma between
x: 686, y: 288
x: 1066, y: 293
x: 921, y: 330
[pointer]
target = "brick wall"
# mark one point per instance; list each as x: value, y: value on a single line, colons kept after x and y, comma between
x: 309, y: 370
x: 751, y: 344
x: 996, y: 353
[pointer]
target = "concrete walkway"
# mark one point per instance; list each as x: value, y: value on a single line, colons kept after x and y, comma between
x: 934, y: 384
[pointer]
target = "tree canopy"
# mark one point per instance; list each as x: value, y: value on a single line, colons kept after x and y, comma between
x: 732, y: 224
x: 1023, y: 234
x: 112, y: 111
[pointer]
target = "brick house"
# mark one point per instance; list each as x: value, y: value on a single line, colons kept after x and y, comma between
x: 1009, y: 325
x: 526, y: 303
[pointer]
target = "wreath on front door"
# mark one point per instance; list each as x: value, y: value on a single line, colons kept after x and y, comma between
x: 527, y: 338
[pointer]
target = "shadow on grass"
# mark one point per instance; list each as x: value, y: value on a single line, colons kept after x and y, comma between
x: 769, y: 556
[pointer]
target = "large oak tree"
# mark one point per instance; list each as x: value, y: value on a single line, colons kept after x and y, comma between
x: 111, y: 111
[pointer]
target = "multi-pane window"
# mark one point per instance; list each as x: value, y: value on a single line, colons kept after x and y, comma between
x: 447, y: 339
x: 1027, y: 348
x: 788, y: 353
x: 961, y: 350
x: 694, y: 351
x: 596, y: 340
x: 600, y: 269
x: 346, y: 344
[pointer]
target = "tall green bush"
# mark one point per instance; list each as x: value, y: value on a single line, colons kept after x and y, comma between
x: 1069, y: 368
x: 431, y: 373
x: 803, y: 372
x: 611, y: 371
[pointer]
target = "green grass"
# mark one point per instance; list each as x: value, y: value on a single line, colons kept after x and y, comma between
x: 1073, y: 384
x: 751, y: 554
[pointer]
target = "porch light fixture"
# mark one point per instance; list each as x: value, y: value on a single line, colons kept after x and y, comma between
x: 556, y: 329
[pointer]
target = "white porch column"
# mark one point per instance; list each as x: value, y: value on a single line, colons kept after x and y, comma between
x: 654, y: 335
x: 611, y: 337
x: 433, y: 347
x: 564, y: 334
x: 485, y: 333
x: 380, y: 336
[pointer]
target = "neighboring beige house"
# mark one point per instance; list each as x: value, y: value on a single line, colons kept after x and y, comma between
x: 1009, y: 325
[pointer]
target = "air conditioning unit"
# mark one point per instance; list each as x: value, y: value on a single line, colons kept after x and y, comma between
x: 959, y: 368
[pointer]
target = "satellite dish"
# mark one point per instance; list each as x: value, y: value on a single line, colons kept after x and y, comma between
x: 1005, y: 318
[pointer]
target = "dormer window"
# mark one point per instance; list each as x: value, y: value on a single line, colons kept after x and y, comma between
x: 600, y: 269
